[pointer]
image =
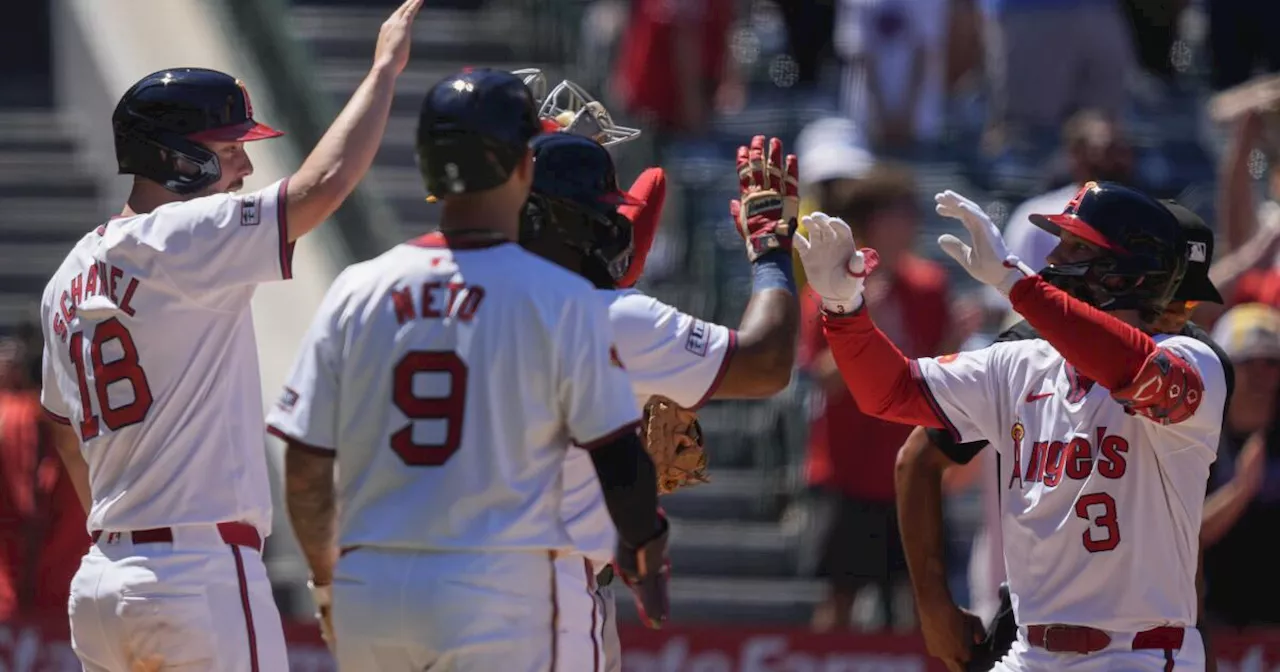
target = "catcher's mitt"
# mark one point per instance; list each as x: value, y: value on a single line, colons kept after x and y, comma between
x: 673, y: 438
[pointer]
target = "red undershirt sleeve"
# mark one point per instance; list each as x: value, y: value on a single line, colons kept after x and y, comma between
x: 877, y: 374
x: 1100, y: 346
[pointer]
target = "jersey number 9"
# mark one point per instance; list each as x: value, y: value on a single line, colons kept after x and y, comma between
x: 125, y: 368
x: 446, y: 409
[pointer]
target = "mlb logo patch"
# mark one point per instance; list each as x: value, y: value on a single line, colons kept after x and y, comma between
x: 249, y: 212
x: 1197, y: 251
x: 697, y: 341
x: 288, y: 400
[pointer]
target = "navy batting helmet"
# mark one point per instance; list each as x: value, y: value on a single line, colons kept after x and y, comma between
x: 575, y: 201
x: 1144, y: 251
x: 162, y: 122
x: 473, y: 130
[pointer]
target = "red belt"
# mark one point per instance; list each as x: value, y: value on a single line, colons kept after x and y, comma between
x: 1083, y: 639
x: 236, y: 534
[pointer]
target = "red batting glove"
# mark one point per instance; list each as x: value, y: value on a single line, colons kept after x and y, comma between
x: 769, y: 197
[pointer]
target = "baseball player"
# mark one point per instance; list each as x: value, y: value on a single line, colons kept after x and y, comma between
x: 447, y: 378
x: 573, y: 219
x: 150, y: 366
x: 929, y: 452
x: 1107, y: 431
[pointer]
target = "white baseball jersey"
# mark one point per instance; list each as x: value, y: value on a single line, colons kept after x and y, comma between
x: 450, y: 383
x: 150, y: 356
x: 666, y: 352
x: 1101, y: 509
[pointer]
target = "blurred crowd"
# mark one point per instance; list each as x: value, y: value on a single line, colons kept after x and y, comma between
x: 896, y: 77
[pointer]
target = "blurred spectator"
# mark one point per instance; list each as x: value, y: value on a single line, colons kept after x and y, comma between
x: 674, y: 66
x: 1241, y: 38
x: 1095, y: 149
x: 42, y: 523
x: 1049, y: 58
x: 1154, y: 26
x: 831, y: 152
x: 851, y: 455
x: 894, y: 55
x: 809, y: 30
x: 1244, y: 502
x: 964, y: 54
x: 1249, y: 231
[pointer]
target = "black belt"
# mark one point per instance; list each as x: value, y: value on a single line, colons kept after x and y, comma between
x: 605, y: 577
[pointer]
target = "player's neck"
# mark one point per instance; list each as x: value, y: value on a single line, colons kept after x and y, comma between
x: 478, y: 218
x: 1130, y: 317
x: 146, y: 196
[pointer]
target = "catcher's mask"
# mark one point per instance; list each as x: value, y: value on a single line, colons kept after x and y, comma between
x: 568, y: 107
x: 574, y: 202
x: 1143, y: 254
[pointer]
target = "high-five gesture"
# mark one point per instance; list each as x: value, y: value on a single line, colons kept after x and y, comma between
x: 985, y: 257
x: 769, y: 200
x: 833, y: 262
x: 395, y: 36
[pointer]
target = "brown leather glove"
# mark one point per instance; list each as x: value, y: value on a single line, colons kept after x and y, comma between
x: 646, y: 571
x: 673, y: 438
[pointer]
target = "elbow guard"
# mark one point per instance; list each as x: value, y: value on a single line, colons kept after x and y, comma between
x: 1166, y: 390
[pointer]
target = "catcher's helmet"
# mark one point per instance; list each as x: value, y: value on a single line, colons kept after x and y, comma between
x: 568, y: 107
x: 575, y: 201
x: 474, y: 128
x: 161, y: 123
x: 1144, y: 251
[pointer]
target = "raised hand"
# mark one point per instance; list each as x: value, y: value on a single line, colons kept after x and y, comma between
x: 836, y: 268
x: 769, y: 197
x: 985, y: 257
x: 395, y: 36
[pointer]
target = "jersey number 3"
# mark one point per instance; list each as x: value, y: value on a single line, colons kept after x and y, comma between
x: 1103, y: 517
x: 123, y: 369
x: 445, y: 408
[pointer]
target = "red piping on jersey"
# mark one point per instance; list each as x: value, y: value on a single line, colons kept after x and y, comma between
x: 456, y: 241
x: 877, y: 374
x: 282, y: 222
x: 608, y: 438
x: 729, y: 351
x: 304, y: 447
x: 55, y: 417
x: 248, y: 611
x: 591, y: 593
x: 1100, y: 346
x: 555, y: 613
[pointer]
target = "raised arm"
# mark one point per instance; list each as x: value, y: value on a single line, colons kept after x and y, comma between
x: 878, y: 375
x: 343, y: 156
x: 765, y: 213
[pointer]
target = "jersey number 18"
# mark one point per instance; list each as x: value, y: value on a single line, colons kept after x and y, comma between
x: 105, y: 374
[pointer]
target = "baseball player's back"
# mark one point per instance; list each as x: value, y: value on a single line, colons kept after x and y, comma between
x: 149, y: 337
x: 441, y: 329
x: 150, y: 364
x: 450, y: 376
x: 150, y: 359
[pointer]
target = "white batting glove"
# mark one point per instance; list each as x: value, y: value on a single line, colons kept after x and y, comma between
x: 986, y: 258
x: 834, y: 265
